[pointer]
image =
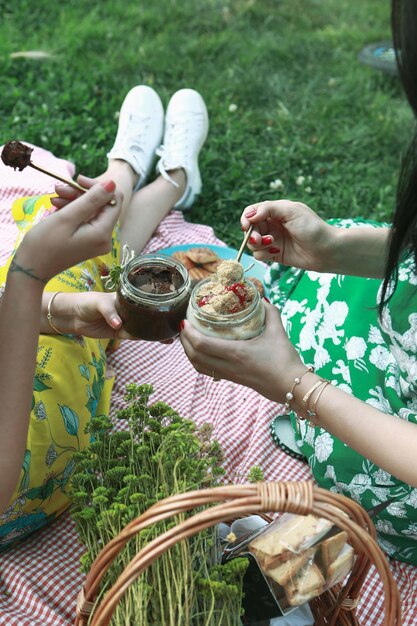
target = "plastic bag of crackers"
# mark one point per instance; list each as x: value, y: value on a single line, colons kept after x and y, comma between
x: 292, y: 560
x: 202, y: 262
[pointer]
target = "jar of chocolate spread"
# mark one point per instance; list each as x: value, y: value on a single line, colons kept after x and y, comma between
x: 240, y: 316
x: 153, y: 295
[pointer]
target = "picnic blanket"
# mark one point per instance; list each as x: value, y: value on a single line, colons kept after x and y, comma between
x: 40, y: 578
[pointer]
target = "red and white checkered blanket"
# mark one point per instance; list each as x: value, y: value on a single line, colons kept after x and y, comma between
x: 40, y: 579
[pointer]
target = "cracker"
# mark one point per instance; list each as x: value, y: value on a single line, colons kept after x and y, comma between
x: 280, y: 542
x: 341, y: 567
x: 201, y: 255
x: 212, y: 267
x: 330, y: 548
x: 184, y: 259
x: 307, y: 584
x: 287, y: 570
x: 198, y: 273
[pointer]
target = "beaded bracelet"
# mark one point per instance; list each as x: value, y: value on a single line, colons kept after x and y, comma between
x: 297, y: 380
x: 49, y: 313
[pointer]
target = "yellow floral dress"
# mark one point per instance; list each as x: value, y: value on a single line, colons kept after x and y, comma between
x: 70, y: 387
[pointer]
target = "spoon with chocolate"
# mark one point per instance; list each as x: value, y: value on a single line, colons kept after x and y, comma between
x: 18, y: 156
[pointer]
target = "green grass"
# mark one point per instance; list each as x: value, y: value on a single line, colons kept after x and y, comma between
x: 305, y: 105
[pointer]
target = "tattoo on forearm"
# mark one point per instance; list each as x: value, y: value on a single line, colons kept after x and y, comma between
x: 15, y: 267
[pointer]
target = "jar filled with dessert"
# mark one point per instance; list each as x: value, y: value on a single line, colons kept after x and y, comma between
x: 227, y: 305
x: 153, y: 295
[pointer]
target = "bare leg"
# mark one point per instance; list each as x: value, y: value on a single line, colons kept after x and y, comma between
x: 147, y: 208
x: 125, y: 179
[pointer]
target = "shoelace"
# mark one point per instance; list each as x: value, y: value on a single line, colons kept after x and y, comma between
x: 163, y: 165
x: 172, y: 152
x: 134, y: 136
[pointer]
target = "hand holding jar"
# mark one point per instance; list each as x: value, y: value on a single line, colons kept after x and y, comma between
x: 267, y: 363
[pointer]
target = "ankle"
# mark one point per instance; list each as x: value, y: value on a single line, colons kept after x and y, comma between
x: 118, y: 167
x: 178, y: 177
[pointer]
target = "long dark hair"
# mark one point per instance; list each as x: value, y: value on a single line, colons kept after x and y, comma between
x: 403, y: 237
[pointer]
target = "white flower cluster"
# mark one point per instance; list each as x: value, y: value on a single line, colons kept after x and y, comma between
x: 276, y: 184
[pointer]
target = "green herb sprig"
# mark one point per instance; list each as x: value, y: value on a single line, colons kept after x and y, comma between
x: 119, y: 476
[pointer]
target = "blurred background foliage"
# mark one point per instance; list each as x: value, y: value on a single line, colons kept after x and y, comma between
x: 288, y: 99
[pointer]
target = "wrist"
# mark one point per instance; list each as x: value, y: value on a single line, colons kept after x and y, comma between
x: 57, y: 313
x: 296, y: 397
x: 359, y: 251
x: 330, y: 249
x: 306, y: 397
x: 337, y: 253
x: 22, y: 268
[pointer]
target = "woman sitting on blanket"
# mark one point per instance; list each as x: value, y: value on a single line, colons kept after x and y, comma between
x: 54, y: 367
x: 349, y: 310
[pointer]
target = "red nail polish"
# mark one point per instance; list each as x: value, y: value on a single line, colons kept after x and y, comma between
x: 252, y: 240
x: 250, y: 213
x: 181, y: 326
x: 110, y: 186
x: 266, y: 240
x: 274, y: 250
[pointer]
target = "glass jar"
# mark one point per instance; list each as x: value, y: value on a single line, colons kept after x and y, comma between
x: 245, y: 324
x: 153, y: 295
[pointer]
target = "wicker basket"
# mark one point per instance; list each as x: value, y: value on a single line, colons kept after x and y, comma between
x: 334, y: 607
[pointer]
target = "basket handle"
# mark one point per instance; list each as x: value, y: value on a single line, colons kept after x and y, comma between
x: 295, y: 497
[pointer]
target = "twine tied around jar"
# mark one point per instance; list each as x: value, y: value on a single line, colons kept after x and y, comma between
x: 111, y: 281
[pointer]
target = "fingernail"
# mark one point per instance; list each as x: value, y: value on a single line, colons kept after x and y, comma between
x: 181, y: 326
x: 250, y: 213
x: 252, y: 240
x: 110, y: 186
x: 266, y: 240
x: 274, y: 250
x: 266, y: 300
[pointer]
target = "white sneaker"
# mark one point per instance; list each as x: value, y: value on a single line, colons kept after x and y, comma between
x: 141, y: 124
x: 186, y: 128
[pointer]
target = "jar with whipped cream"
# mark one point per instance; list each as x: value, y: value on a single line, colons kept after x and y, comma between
x: 153, y: 295
x: 236, y: 312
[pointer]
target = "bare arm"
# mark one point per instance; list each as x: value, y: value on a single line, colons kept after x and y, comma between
x: 387, y: 440
x: 359, y: 251
x: 19, y: 329
x: 293, y: 234
x: 77, y: 232
x: 269, y: 364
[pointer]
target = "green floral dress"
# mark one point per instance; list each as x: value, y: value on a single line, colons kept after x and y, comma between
x: 70, y: 386
x: 333, y: 322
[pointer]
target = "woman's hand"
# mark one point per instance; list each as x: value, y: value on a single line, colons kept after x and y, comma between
x: 268, y: 363
x: 90, y: 314
x: 81, y: 230
x: 66, y: 193
x: 289, y: 233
